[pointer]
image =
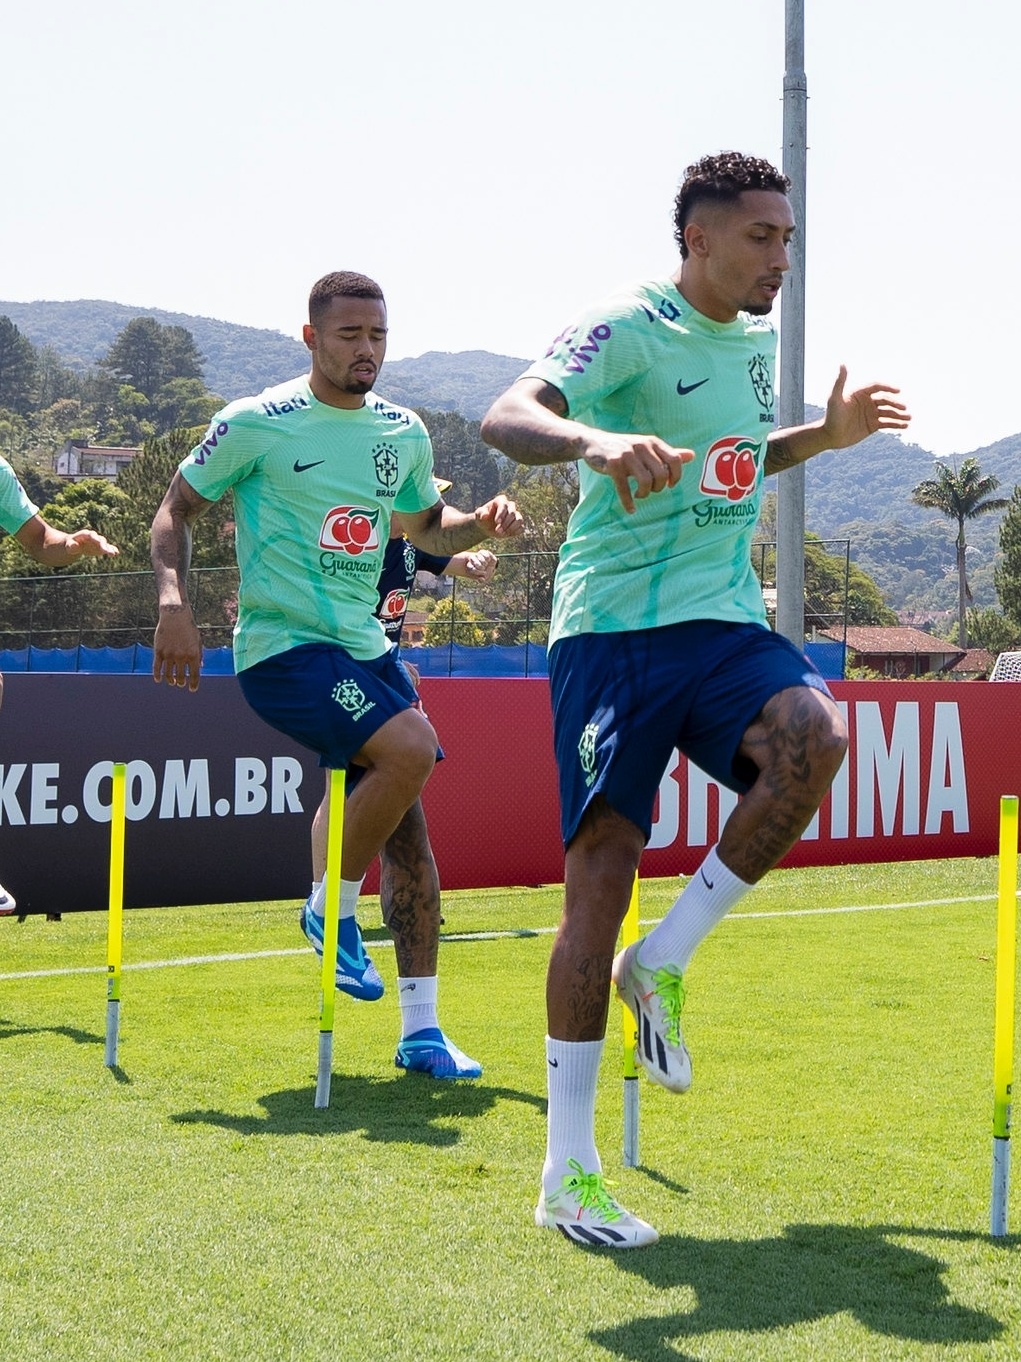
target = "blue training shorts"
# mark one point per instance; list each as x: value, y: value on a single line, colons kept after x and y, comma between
x: 623, y: 701
x: 327, y: 700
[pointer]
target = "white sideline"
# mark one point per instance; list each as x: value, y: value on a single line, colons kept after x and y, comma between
x: 479, y: 936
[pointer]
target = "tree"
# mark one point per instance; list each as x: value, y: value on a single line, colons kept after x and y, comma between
x: 17, y: 369
x: 960, y: 496
x: 148, y: 355
x: 1008, y: 570
x: 990, y: 630
x: 185, y: 402
x: 55, y: 382
x: 454, y: 621
x: 545, y: 497
x: 460, y: 455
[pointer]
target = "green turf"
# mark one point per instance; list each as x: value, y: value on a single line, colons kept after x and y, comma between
x: 822, y: 1193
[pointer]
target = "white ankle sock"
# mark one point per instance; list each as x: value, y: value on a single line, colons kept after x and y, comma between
x: 572, y: 1070
x: 417, y: 998
x: 710, y: 893
x: 349, y: 891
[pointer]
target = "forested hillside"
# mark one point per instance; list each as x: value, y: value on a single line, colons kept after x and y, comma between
x: 238, y: 360
x: 863, y: 494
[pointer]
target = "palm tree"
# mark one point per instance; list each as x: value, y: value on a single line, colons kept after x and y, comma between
x: 960, y: 496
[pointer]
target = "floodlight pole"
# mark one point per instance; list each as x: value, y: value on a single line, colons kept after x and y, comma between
x: 790, y: 497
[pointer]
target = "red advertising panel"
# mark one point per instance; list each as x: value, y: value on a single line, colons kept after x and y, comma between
x: 220, y: 806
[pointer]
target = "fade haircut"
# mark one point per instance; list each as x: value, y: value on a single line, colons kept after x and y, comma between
x: 340, y: 284
x: 722, y: 179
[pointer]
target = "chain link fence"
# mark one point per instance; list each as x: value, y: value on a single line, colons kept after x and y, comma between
x: 118, y: 609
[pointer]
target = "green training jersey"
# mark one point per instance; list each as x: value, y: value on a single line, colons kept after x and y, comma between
x: 16, y: 509
x: 314, y: 489
x: 645, y: 362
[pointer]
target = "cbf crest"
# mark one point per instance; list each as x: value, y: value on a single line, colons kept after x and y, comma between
x: 385, y: 462
x: 762, y: 381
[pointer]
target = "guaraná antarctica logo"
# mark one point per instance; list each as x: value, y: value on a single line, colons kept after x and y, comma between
x: 730, y: 468
x: 350, y: 529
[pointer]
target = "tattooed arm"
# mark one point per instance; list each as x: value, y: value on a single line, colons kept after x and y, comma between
x: 530, y: 424
x: 445, y: 532
x: 849, y: 418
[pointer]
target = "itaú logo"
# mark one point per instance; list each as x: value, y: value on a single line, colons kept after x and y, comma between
x: 730, y: 468
x: 350, y: 529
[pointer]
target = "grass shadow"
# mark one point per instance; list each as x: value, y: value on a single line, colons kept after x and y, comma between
x: 805, y: 1274
x: 405, y: 1109
x: 11, y: 1030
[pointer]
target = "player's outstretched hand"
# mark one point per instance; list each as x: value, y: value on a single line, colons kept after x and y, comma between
x: 500, y: 518
x: 480, y: 565
x: 852, y: 416
x: 89, y: 544
x: 645, y: 460
x: 177, y: 650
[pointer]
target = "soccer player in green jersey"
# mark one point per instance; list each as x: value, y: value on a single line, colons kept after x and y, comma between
x: 20, y: 517
x: 318, y: 466
x: 663, y: 393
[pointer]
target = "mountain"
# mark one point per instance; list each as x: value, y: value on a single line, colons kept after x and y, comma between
x: 238, y: 360
x: 864, y: 494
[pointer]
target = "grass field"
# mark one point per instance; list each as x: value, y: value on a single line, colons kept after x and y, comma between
x: 822, y: 1192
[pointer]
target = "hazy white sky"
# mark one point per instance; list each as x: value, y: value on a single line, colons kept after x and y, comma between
x: 497, y: 165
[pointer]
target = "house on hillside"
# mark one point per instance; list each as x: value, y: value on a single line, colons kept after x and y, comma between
x: 78, y: 459
x: 974, y: 665
x: 897, y: 652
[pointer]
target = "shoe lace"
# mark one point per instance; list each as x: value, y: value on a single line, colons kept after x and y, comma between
x: 668, y: 986
x: 590, y: 1191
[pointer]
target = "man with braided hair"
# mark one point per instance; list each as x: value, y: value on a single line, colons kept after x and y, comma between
x: 663, y: 393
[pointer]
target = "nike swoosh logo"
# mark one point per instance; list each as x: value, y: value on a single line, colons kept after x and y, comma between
x: 554, y: 1063
x: 408, y: 988
x: 708, y: 883
x: 684, y: 389
x: 301, y: 467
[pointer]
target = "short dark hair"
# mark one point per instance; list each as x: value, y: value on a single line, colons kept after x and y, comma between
x: 722, y: 178
x: 340, y: 284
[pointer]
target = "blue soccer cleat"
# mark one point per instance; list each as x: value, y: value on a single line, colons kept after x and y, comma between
x: 356, y: 974
x: 430, y: 1052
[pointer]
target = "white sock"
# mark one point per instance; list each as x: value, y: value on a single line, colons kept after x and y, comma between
x: 417, y: 998
x: 349, y: 891
x: 572, y: 1070
x: 708, y: 896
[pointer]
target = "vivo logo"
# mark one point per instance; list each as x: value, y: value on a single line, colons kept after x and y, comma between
x: 207, y: 446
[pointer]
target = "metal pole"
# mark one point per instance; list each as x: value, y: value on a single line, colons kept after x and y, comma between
x: 790, y: 500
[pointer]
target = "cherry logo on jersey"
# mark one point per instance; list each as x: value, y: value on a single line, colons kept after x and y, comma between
x: 730, y: 469
x: 394, y: 606
x: 350, y: 529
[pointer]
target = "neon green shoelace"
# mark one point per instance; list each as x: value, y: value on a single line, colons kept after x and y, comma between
x: 668, y: 987
x: 590, y: 1189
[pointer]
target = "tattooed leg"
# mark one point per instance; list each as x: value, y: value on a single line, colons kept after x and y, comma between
x: 798, y: 742
x: 409, y: 893
x: 599, y: 873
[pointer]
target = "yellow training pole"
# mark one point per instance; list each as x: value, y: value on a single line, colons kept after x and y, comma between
x: 630, y: 934
x: 331, y: 930
x: 1003, y: 1029
x: 115, y: 917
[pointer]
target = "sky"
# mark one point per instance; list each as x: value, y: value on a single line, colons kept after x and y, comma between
x: 497, y: 166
